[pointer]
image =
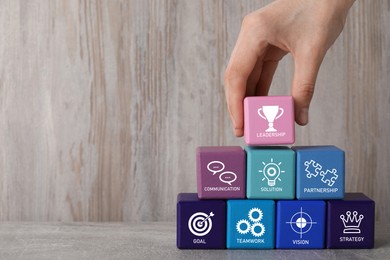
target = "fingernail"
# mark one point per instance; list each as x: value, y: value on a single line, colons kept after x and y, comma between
x: 304, y: 116
x: 238, y: 132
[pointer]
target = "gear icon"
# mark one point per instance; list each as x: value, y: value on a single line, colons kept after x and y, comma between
x: 255, y: 219
x: 241, y: 223
x: 262, y: 229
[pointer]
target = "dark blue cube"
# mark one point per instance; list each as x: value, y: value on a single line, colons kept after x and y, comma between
x: 201, y: 224
x: 351, y: 222
x: 300, y: 224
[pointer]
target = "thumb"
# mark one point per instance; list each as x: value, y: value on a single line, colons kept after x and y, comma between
x: 306, y: 68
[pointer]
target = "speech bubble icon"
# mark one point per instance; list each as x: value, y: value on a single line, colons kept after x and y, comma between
x: 215, y: 166
x: 228, y: 177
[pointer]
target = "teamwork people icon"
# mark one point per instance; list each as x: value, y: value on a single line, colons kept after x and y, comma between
x: 271, y: 172
x: 301, y: 223
x: 200, y: 223
x: 313, y: 169
x: 351, y: 222
x: 270, y: 114
x: 256, y: 228
x: 225, y: 177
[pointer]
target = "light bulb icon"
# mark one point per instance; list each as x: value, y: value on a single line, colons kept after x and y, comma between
x: 271, y: 172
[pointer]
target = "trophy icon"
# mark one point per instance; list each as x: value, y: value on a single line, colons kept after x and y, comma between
x: 270, y: 114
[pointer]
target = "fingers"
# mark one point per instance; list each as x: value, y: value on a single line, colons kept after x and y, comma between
x: 271, y: 61
x: 254, y: 78
x: 234, y: 98
x: 267, y: 73
x: 241, y: 74
x: 306, y: 69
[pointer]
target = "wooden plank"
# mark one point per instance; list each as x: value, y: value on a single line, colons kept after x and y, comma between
x: 103, y: 103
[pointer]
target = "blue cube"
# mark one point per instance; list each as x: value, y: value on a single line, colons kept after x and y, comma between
x: 300, y: 224
x: 201, y: 224
x: 270, y: 173
x: 319, y: 172
x: 250, y: 224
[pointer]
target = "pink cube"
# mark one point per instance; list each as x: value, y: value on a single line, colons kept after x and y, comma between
x: 269, y: 120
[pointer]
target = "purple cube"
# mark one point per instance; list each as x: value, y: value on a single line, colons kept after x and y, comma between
x: 351, y: 222
x: 269, y: 120
x: 201, y: 224
x: 221, y: 172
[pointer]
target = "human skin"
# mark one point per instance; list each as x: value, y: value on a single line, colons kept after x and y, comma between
x: 304, y: 28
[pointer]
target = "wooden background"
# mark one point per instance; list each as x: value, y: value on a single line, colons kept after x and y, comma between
x: 103, y: 103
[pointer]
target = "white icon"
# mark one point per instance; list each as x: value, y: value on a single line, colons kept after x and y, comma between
x: 351, y: 222
x: 271, y: 172
x: 228, y: 177
x: 200, y: 223
x: 313, y: 169
x: 301, y: 223
x: 260, y: 227
x: 243, y: 230
x: 257, y: 229
x: 271, y: 114
x: 225, y: 177
x: 215, y: 167
x: 254, y: 212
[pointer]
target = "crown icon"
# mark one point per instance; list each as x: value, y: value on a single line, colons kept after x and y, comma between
x: 351, y: 222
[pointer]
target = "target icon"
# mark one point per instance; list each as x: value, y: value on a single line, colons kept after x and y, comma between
x: 200, y: 223
x: 301, y: 222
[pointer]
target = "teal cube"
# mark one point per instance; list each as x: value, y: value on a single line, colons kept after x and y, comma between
x: 270, y: 173
x: 250, y: 224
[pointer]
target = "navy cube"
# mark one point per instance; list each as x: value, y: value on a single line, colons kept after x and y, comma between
x: 201, y: 224
x: 351, y: 222
x: 300, y: 224
x: 320, y: 172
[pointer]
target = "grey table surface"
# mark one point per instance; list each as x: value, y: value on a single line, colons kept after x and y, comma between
x: 154, y: 240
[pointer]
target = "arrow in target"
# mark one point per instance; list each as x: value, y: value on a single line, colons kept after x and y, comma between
x: 209, y: 216
x: 200, y: 223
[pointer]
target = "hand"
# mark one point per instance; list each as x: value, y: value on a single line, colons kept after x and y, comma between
x: 305, y: 28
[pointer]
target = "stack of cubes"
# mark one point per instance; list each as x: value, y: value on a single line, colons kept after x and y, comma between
x: 265, y: 197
